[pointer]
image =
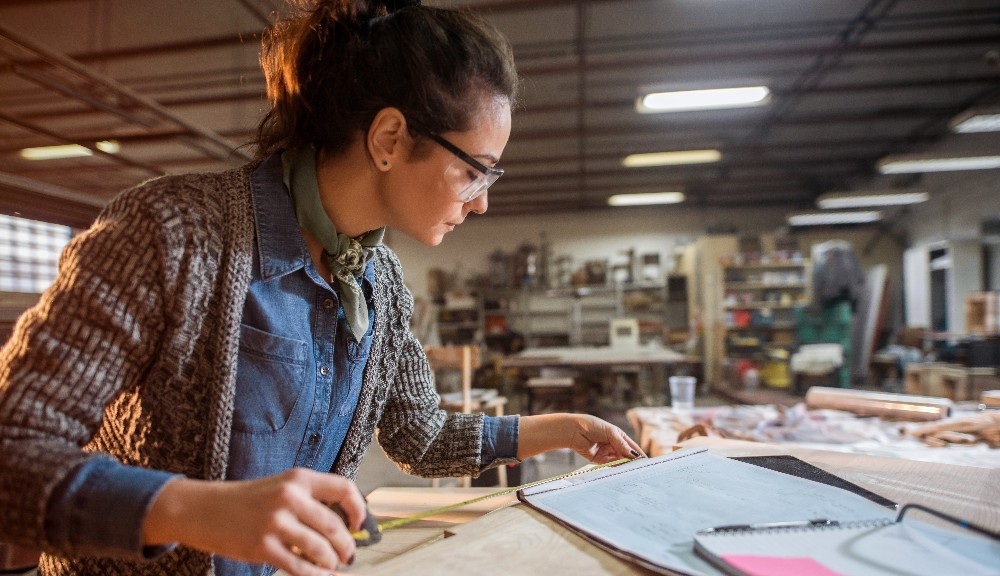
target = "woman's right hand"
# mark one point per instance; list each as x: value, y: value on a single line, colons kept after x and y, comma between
x: 281, y: 520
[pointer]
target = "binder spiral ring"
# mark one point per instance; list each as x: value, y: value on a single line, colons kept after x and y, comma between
x: 797, y: 528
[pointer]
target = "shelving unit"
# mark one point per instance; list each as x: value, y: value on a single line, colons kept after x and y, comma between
x: 759, y: 302
x: 677, y: 311
x: 458, y: 326
x: 574, y: 316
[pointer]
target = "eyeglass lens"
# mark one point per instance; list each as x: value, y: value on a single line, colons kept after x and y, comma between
x: 468, y: 176
x: 468, y: 182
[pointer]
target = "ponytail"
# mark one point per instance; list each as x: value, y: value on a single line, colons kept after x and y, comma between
x: 330, y: 67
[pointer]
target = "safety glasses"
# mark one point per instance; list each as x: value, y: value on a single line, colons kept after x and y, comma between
x: 469, y: 177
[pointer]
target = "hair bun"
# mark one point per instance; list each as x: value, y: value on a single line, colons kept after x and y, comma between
x: 394, y: 5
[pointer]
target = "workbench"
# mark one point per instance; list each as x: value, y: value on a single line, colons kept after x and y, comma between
x: 503, y: 537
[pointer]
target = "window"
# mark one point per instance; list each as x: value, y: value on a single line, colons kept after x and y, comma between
x: 29, y: 253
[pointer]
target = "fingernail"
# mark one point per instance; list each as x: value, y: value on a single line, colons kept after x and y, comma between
x: 350, y: 561
x: 634, y: 453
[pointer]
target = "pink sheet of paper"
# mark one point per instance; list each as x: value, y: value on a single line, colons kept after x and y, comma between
x: 777, y: 566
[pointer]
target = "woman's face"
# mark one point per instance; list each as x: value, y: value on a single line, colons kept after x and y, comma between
x: 427, y: 204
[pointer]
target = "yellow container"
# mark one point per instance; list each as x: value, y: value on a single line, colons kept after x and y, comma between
x: 775, y: 374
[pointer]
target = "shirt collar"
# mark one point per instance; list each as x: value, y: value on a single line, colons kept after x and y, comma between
x: 281, y: 248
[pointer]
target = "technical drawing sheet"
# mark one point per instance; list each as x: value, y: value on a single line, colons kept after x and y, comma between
x: 648, y: 510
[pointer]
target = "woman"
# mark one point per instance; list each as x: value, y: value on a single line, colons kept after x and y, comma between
x: 249, y: 326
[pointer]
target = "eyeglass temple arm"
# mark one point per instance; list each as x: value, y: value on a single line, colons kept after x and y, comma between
x: 462, y: 154
x: 947, y: 517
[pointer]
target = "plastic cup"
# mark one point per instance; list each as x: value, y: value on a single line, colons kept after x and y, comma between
x: 682, y: 393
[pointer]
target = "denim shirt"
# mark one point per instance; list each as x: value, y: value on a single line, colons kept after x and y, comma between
x: 299, y: 374
x: 300, y: 370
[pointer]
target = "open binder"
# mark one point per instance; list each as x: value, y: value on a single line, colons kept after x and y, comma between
x: 881, y: 547
x: 649, y: 510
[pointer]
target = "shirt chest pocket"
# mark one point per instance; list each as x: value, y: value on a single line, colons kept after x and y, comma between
x: 270, y: 376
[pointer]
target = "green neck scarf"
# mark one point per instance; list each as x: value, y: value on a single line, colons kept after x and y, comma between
x: 346, y: 257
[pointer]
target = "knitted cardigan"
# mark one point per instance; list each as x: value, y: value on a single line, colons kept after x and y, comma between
x: 132, y: 353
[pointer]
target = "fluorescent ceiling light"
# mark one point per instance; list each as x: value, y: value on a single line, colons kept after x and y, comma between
x: 672, y: 158
x: 861, y: 199
x: 55, y: 152
x: 703, y: 99
x: 646, y: 199
x: 68, y: 151
x: 914, y: 164
x: 977, y: 120
x: 108, y: 146
x: 832, y: 218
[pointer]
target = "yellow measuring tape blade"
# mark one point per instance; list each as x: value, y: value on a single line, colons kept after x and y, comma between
x: 396, y: 523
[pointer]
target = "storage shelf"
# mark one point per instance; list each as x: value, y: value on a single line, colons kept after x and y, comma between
x: 457, y: 324
x: 768, y: 266
x: 546, y: 312
x: 764, y: 285
x: 584, y: 313
x: 632, y: 287
x: 758, y: 305
x: 776, y: 326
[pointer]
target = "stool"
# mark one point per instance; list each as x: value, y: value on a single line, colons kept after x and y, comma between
x: 937, y: 379
x: 955, y: 384
x: 961, y: 383
x: 558, y: 391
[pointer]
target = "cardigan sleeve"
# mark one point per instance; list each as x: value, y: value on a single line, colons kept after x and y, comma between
x: 415, y: 433
x: 92, y: 335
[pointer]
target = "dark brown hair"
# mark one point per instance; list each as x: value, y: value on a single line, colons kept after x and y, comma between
x: 333, y: 64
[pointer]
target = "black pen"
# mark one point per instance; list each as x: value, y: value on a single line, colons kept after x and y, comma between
x: 792, y: 524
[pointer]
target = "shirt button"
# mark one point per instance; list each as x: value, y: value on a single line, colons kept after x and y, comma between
x: 328, y: 303
x: 313, y: 439
x: 324, y: 370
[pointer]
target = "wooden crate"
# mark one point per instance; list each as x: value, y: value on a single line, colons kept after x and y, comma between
x: 948, y: 380
x: 982, y: 313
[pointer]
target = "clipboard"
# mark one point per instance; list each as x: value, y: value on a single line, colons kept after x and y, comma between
x: 648, y: 510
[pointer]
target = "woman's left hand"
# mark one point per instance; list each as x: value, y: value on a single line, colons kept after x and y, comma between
x: 600, y: 441
x: 596, y: 440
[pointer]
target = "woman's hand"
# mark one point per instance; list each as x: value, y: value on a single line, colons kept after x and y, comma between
x: 281, y: 520
x: 600, y: 442
x: 594, y: 439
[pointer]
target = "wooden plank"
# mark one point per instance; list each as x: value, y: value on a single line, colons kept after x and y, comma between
x: 514, y: 540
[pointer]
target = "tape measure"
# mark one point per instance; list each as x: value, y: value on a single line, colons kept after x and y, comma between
x: 372, y: 532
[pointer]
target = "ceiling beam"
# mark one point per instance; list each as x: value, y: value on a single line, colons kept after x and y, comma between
x: 727, y: 53
x: 27, y: 198
x: 743, y: 53
x: 21, y: 184
x: 90, y: 145
x: 61, y: 61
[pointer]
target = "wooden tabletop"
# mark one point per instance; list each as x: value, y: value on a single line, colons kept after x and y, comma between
x: 514, y: 539
x: 595, y: 356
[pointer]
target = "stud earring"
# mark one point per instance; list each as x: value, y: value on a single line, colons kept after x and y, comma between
x: 385, y: 163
